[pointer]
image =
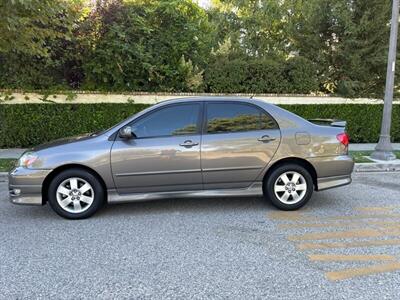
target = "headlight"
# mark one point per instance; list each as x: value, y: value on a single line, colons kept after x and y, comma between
x: 27, y: 159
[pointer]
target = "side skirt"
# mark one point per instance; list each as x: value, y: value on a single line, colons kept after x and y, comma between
x: 254, y: 190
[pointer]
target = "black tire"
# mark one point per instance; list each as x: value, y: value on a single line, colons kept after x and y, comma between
x: 269, y: 185
x: 97, y: 194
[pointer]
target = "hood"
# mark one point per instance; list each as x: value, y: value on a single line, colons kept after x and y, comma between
x: 64, y: 141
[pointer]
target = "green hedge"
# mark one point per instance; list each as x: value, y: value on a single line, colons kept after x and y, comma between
x: 296, y: 75
x: 26, y: 125
x: 363, y: 120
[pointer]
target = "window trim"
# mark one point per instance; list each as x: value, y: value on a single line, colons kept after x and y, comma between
x: 205, y: 120
x: 198, y: 125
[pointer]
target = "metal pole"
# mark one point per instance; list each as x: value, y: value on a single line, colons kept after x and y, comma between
x: 384, y: 150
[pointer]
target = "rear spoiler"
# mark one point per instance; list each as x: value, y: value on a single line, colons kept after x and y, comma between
x: 330, y: 122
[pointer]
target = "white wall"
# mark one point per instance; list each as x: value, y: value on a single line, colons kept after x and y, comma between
x: 151, y: 98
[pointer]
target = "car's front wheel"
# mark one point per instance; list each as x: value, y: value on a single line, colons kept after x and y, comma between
x: 75, y: 194
x: 289, y: 187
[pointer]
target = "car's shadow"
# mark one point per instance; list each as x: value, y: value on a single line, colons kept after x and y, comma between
x: 185, y: 205
x: 204, y: 205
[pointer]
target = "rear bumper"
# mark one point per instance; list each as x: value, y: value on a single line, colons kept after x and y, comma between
x: 25, y: 186
x: 334, y: 181
x: 332, y: 171
x: 329, y: 166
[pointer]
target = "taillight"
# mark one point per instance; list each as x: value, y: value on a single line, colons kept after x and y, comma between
x: 343, y: 138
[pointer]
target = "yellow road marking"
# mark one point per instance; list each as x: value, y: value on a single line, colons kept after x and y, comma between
x: 337, y: 234
x: 355, y: 272
x: 383, y: 228
x: 339, y: 224
x: 374, y: 243
x: 297, y: 216
x: 335, y: 257
x: 367, y: 216
x: 319, y: 225
x: 375, y: 209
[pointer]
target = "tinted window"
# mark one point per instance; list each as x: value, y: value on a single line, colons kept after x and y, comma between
x: 232, y: 117
x: 172, y: 120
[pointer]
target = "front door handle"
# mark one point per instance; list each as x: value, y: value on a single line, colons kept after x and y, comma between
x: 188, y: 143
x: 266, y: 139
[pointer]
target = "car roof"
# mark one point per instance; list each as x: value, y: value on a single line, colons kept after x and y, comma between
x: 208, y: 98
x: 183, y: 99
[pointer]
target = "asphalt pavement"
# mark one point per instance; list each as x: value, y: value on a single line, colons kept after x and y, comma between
x: 343, y: 245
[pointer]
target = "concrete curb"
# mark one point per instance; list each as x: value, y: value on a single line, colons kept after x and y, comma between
x: 3, y: 176
x: 376, y: 167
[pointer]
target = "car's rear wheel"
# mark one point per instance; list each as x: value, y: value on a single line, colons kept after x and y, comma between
x: 75, y: 194
x: 289, y: 187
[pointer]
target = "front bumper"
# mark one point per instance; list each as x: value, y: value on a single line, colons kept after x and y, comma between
x: 25, y: 186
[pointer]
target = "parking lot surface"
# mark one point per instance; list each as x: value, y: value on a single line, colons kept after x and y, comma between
x: 343, y: 245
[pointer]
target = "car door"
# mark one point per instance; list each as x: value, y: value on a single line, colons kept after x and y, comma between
x: 164, y: 155
x: 239, y: 139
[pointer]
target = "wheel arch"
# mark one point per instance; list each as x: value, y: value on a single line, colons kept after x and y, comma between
x: 294, y: 160
x: 58, y: 170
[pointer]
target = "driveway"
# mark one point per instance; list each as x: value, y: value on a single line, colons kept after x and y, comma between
x: 344, y: 245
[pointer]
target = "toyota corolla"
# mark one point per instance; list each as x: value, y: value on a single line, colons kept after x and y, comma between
x: 197, y: 147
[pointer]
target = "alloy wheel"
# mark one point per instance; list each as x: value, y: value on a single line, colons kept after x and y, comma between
x: 290, y: 187
x: 75, y: 195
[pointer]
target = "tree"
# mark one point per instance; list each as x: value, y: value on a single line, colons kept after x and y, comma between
x: 142, y: 48
x: 346, y: 39
x: 35, y: 42
x: 175, y: 45
x: 259, y: 27
x: 362, y: 54
x: 27, y: 25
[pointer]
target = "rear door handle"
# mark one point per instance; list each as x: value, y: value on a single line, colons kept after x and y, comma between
x: 266, y: 138
x: 188, y: 143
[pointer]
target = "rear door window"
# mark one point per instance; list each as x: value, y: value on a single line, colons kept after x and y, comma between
x: 236, y: 117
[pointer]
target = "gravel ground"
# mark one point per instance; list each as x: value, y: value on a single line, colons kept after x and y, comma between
x: 209, y: 248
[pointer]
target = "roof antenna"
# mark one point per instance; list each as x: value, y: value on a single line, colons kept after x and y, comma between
x: 251, y: 97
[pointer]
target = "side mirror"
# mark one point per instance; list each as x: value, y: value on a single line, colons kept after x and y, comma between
x: 126, y: 132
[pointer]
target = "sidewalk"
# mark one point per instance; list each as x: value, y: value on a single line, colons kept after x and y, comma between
x: 16, y: 153
x: 370, y: 147
x: 11, y: 153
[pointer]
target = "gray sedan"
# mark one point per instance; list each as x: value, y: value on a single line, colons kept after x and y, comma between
x: 197, y: 147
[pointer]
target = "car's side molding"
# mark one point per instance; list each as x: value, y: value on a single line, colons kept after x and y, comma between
x: 187, y: 171
x: 254, y: 190
x: 233, y: 168
x: 158, y: 172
